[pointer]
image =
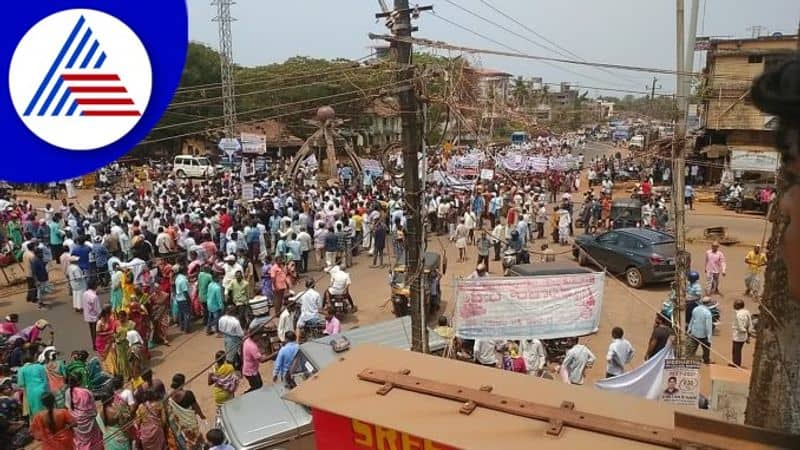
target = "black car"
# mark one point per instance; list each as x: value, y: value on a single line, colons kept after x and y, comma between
x: 641, y: 254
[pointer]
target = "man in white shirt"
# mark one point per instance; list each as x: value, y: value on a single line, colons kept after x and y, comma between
x: 230, y: 267
x: 340, y: 285
x: 231, y: 329
x: 576, y: 361
x: 310, y: 305
x: 498, y: 235
x: 620, y: 353
x: 535, y: 356
x: 286, y: 320
x: 485, y: 351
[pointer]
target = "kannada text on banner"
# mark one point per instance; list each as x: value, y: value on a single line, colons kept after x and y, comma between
x: 543, y: 307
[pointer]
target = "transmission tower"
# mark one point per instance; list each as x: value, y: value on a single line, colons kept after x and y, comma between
x: 224, y: 20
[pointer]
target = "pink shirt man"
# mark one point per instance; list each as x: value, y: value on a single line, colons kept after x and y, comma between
x: 332, y: 326
x: 251, y: 358
x: 715, y: 262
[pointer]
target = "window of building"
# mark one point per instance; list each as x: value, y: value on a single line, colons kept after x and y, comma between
x: 755, y: 59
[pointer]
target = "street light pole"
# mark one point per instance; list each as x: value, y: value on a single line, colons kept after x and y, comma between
x: 678, y: 174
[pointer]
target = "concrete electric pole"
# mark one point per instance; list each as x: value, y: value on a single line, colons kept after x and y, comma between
x: 410, y: 112
x: 224, y: 20
x: 684, y: 65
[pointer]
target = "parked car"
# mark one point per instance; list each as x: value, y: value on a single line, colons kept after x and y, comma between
x: 186, y: 166
x: 263, y: 420
x: 642, y: 255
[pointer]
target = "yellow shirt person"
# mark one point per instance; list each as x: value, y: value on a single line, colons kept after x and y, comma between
x: 755, y: 260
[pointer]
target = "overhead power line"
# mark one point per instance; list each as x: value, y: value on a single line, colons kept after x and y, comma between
x: 494, y: 41
x: 526, y: 38
x: 273, y: 78
x: 361, y: 91
x: 257, y: 92
x: 516, y: 54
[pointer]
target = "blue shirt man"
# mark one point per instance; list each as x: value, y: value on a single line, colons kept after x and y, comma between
x: 701, y: 324
x: 82, y: 252
x: 181, y: 288
x: 285, y: 356
x: 478, y: 205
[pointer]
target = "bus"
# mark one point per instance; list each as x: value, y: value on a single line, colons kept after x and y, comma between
x: 519, y: 137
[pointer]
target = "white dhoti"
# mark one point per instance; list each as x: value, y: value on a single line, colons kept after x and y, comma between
x: 77, y: 299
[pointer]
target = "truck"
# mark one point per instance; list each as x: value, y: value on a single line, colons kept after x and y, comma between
x: 264, y: 420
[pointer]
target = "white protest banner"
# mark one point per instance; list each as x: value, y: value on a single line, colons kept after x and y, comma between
x: 643, y: 381
x: 254, y: 143
x: 248, y: 191
x: 487, y: 174
x: 681, y: 382
x: 543, y: 307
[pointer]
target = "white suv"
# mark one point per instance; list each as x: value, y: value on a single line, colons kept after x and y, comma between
x: 185, y: 166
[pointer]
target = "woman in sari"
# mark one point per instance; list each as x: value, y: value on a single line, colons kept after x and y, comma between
x: 122, y: 347
x: 182, y: 414
x: 78, y: 368
x: 104, y: 341
x: 127, y: 289
x: 222, y: 379
x: 53, y: 427
x: 159, y: 315
x: 116, y: 288
x: 54, y: 368
x: 80, y: 401
x: 139, y: 357
x: 139, y: 317
x: 33, y: 379
x: 151, y: 421
x: 115, y: 415
x: 165, y: 273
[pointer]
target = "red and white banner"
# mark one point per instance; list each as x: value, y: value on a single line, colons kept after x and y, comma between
x: 542, y: 307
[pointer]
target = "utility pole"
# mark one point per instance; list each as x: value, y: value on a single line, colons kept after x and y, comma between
x: 678, y: 174
x: 224, y: 20
x: 653, y: 89
x: 685, y: 63
x: 400, y: 24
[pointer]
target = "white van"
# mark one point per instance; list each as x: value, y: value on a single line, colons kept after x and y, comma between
x: 186, y: 166
x: 636, y: 142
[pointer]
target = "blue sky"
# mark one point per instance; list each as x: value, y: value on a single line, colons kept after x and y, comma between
x: 632, y: 32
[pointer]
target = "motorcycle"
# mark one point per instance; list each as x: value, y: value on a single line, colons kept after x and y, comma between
x: 340, y: 304
x: 557, y: 348
x: 313, y: 329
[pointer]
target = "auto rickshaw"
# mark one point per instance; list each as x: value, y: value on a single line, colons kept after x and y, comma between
x: 626, y: 213
x: 401, y: 294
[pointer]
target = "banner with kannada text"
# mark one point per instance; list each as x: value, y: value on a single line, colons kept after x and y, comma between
x: 543, y: 307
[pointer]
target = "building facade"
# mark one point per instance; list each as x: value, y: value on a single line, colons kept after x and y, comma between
x: 735, y: 131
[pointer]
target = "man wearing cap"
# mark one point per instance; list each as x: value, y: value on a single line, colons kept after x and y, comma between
x: 230, y: 267
x: 77, y: 282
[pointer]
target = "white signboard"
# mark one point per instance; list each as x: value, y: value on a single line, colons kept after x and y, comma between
x: 487, y: 174
x: 746, y: 161
x: 546, y: 307
x: 681, y: 382
x: 254, y: 143
x: 229, y: 146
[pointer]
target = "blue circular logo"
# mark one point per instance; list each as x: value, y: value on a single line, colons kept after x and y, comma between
x: 86, y: 82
